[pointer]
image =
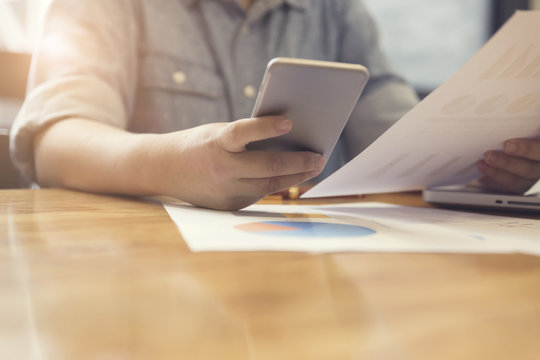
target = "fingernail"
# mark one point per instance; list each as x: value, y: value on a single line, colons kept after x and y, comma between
x: 511, y: 147
x: 490, y: 158
x: 320, y: 163
x: 482, y: 166
x: 283, y: 124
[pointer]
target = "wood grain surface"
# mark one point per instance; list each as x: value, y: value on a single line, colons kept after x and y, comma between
x: 86, y: 276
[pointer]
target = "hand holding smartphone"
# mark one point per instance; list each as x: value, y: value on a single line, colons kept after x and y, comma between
x: 317, y: 96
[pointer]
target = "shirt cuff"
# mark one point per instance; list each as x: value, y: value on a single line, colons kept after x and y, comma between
x: 68, y: 97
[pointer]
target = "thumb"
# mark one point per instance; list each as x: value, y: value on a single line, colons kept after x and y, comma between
x: 236, y: 135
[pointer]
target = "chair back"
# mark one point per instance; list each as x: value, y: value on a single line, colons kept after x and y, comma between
x: 13, y: 74
x: 9, y: 178
x: 13, y: 78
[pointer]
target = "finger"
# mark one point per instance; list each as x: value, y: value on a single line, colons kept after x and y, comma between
x: 524, y: 168
x: 236, y: 135
x: 504, y: 179
x: 248, y: 191
x: 266, y: 186
x: 491, y: 185
x: 264, y: 164
x: 527, y: 148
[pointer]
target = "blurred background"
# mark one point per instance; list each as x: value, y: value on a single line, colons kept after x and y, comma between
x: 427, y: 40
x: 19, y: 28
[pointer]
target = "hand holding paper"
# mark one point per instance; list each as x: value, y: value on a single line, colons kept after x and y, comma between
x: 491, y: 99
x: 515, y: 169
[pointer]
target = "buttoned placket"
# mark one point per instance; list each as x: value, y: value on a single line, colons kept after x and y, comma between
x: 247, y: 38
x: 242, y: 63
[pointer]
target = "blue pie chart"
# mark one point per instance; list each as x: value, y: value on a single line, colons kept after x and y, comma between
x: 305, y: 229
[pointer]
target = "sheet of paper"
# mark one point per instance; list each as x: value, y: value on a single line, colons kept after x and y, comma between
x: 493, y: 97
x: 370, y: 227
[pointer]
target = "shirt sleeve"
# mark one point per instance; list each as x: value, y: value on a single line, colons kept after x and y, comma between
x: 83, y: 67
x: 387, y: 96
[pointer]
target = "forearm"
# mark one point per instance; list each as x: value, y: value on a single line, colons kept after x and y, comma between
x: 86, y: 155
x: 206, y: 166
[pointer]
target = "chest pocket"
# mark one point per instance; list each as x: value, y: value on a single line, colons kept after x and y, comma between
x: 175, y: 95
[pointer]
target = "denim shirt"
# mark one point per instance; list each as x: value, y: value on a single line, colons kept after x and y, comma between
x: 166, y: 65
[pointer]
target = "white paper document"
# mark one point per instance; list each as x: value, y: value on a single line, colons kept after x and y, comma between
x: 495, y: 96
x: 369, y: 227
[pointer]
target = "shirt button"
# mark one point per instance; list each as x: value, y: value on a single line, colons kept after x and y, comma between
x: 179, y: 77
x: 244, y: 29
x: 250, y: 91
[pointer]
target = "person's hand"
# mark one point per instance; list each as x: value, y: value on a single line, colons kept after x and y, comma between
x: 515, y: 169
x: 209, y: 166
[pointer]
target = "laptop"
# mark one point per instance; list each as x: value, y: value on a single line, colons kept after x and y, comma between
x: 476, y: 197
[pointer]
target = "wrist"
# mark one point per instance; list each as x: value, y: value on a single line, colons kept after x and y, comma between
x: 146, y: 164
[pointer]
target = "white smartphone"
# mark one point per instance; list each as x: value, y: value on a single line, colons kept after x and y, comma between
x: 317, y: 96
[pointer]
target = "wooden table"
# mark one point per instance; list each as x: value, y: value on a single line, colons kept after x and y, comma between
x: 85, y: 276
